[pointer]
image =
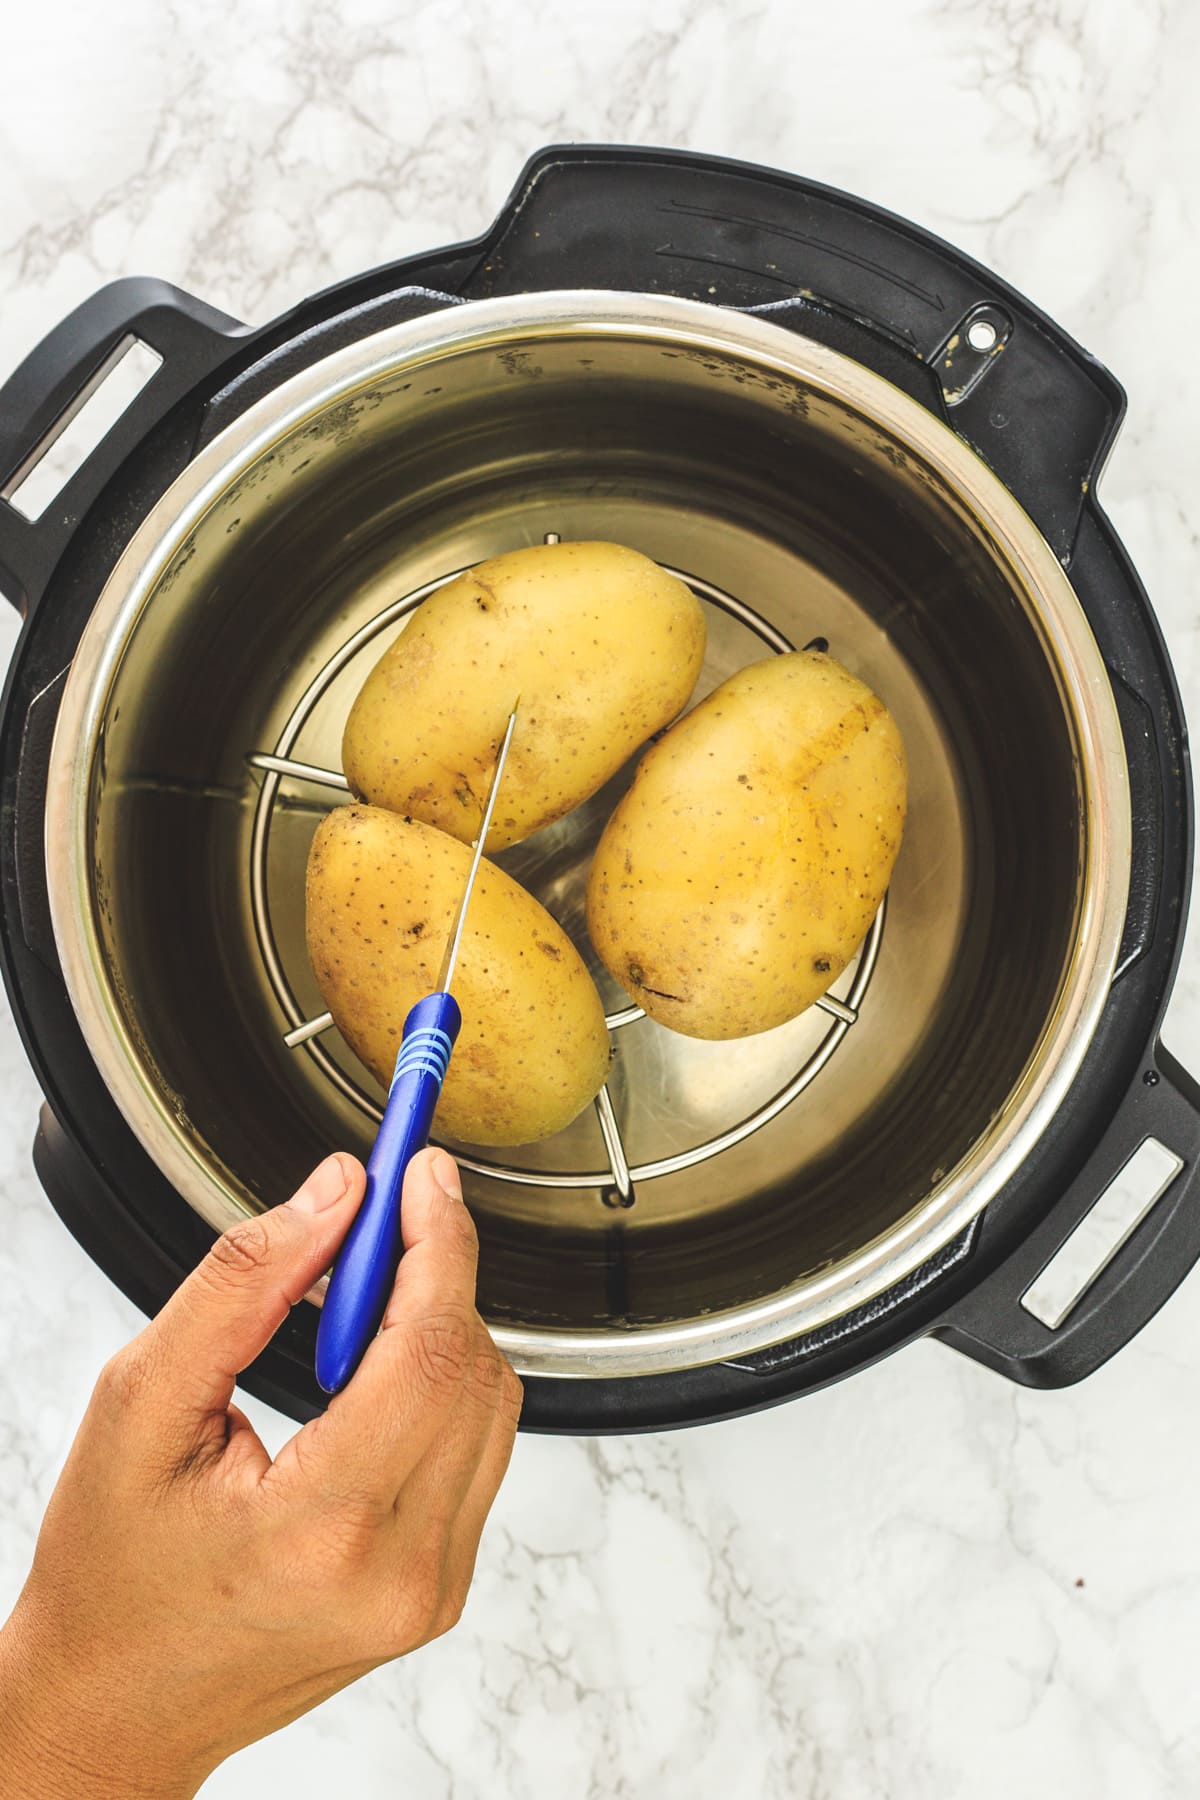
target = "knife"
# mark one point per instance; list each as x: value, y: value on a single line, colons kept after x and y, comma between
x: 366, y: 1265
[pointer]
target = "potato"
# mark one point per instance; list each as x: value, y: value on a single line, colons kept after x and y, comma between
x: 742, y: 869
x: 382, y: 897
x: 600, y: 644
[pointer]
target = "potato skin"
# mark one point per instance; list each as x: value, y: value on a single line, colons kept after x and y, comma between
x: 382, y: 892
x: 742, y: 869
x: 603, y: 648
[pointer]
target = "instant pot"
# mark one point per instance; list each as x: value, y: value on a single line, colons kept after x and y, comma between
x: 832, y: 426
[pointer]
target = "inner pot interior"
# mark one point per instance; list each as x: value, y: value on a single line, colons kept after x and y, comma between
x: 798, y: 517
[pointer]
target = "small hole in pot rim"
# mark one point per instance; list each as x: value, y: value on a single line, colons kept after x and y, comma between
x: 982, y: 335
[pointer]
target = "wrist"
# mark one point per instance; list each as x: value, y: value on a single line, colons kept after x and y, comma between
x: 67, y: 1733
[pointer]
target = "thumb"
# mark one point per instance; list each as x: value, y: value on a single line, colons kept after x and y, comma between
x: 234, y: 1302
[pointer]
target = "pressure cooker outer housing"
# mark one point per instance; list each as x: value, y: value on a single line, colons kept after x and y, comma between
x: 1043, y: 415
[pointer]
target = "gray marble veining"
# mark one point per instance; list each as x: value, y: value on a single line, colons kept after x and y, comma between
x: 923, y: 1584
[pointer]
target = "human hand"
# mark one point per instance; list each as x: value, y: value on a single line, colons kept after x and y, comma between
x: 188, y: 1595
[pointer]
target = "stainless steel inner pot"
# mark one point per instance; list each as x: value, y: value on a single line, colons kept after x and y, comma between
x: 778, y: 1181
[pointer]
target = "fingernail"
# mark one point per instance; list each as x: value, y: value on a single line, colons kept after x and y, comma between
x: 324, y: 1187
x: 444, y: 1170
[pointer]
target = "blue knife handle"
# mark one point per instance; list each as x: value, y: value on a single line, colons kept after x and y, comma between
x: 366, y: 1265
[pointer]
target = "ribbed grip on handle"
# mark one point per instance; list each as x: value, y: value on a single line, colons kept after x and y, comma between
x: 366, y: 1266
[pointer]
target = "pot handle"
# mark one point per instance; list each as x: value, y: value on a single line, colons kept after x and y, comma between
x: 994, y: 1326
x: 43, y: 395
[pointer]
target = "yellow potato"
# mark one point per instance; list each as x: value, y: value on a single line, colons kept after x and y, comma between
x: 602, y: 647
x: 381, y: 901
x: 742, y: 869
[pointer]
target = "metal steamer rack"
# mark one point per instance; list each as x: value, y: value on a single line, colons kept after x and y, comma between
x: 616, y: 1185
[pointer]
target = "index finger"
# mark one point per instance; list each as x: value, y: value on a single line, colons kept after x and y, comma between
x: 377, y: 1429
x: 441, y: 1248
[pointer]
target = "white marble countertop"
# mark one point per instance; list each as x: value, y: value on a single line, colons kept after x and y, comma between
x: 922, y: 1584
